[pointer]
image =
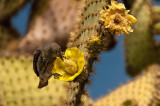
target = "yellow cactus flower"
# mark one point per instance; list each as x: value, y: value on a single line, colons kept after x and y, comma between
x: 117, y: 19
x: 71, y: 65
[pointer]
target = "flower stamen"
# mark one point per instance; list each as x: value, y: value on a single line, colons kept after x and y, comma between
x: 117, y: 19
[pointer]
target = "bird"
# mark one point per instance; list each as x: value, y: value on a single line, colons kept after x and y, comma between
x: 43, y: 60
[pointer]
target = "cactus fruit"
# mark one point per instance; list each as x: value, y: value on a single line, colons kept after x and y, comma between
x: 140, y: 48
x: 143, y: 91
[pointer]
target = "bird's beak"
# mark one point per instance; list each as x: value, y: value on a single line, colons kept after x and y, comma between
x: 60, y: 55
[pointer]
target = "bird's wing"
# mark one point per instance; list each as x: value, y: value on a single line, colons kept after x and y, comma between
x: 35, y: 60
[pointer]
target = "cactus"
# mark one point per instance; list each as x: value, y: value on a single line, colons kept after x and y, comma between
x: 93, y: 34
x: 46, y: 17
x: 140, y: 48
x: 143, y: 91
x: 52, y: 18
x: 86, y: 35
x: 18, y: 85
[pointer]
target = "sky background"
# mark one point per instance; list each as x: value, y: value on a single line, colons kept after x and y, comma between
x: 110, y: 71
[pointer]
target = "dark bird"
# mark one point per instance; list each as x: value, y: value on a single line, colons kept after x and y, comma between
x: 43, y: 62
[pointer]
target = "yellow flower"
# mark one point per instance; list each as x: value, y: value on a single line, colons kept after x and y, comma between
x: 117, y: 19
x: 71, y: 65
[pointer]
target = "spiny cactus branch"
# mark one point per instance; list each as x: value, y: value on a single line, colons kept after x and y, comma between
x: 89, y: 26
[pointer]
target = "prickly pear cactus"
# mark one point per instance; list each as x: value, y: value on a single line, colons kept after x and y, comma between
x: 140, y: 48
x: 52, y: 18
x: 143, y: 91
x: 18, y: 85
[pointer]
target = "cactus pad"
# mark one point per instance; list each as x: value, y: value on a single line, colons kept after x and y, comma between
x: 18, y: 85
x: 143, y: 91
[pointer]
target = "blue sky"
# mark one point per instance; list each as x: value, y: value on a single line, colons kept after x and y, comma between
x: 110, y: 71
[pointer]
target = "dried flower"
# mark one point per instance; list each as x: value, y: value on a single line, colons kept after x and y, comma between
x: 95, y: 39
x: 71, y: 65
x: 116, y: 18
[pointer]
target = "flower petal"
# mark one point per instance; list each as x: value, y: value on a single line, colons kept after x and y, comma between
x: 131, y: 19
x: 73, y: 57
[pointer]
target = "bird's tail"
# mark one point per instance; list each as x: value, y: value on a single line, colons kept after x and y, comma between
x: 42, y: 83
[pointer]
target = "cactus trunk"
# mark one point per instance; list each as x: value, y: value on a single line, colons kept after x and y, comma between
x: 88, y: 26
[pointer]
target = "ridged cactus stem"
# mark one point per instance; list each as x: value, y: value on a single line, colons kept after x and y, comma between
x: 76, y: 89
x: 88, y: 30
